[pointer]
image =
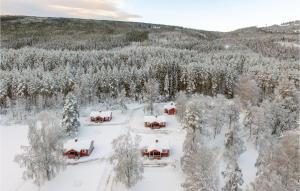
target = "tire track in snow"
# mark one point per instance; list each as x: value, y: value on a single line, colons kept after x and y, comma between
x: 107, y: 178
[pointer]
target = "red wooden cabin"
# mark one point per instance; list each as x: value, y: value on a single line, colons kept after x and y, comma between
x: 74, y: 149
x: 155, y: 122
x: 170, y: 108
x: 156, y: 151
x: 100, y: 116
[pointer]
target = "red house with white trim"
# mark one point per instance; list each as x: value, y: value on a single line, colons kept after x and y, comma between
x: 155, y: 122
x: 100, y: 116
x: 170, y: 108
x: 157, y: 150
x: 74, y: 149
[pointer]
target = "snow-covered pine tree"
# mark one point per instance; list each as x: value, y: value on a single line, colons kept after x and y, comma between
x: 254, y: 123
x: 122, y: 99
x: 233, y: 177
x: 181, y: 102
x: 43, y: 158
x: 284, y: 109
x: 278, y: 164
x: 126, y: 159
x: 247, y: 90
x: 217, y: 115
x: 70, y: 118
x: 3, y: 92
x: 193, y: 123
x: 167, y: 87
x: 234, y: 146
x: 200, y: 171
x: 233, y: 143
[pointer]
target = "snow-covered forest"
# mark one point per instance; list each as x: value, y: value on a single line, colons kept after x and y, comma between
x: 237, y: 100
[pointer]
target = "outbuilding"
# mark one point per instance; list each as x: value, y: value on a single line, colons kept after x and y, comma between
x: 100, y: 116
x: 75, y: 149
x: 170, y: 108
x: 155, y: 122
x: 156, y: 150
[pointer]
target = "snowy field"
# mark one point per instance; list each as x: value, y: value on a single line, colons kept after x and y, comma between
x: 95, y: 173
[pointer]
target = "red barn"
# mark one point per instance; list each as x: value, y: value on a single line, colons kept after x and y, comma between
x: 155, y: 122
x: 100, y: 116
x: 157, y: 150
x: 170, y: 108
x: 75, y: 149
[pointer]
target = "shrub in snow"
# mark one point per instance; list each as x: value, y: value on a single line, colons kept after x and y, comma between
x: 126, y: 159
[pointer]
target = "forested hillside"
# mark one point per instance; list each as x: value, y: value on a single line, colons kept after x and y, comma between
x: 42, y: 58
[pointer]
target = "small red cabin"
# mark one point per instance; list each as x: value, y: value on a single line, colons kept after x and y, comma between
x: 155, y: 122
x: 101, y: 116
x: 156, y: 151
x: 75, y: 149
x: 170, y: 108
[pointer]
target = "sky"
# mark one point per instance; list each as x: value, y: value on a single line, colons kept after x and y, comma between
x: 215, y: 15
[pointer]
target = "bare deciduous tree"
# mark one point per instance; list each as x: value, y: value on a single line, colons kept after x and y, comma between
x: 126, y: 159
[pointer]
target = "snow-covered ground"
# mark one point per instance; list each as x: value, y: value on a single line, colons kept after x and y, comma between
x: 11, y: 139
x: 95, y: 173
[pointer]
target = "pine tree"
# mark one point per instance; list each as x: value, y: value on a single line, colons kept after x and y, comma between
x: 278, y: 164
x: 233, y: 148
x: 121, y: 100
x: 3, y: 92
x: 200, y: 171
x: 247, y: 90
x: 193, y: 123
x: 216, y: 115
x: 284, y: 109
x: 70, y: 120
x: 181, y: 102
x: 167, y: 87
x: 233, y: 177
x: 234, y: 145
x: 151, y: 93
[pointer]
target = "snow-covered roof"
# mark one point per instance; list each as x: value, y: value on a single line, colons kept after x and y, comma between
x: 77, y: 145
x: 100, y: 114
x: 158, y: 145
x: 151, y: 119
x: 170, y: 105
